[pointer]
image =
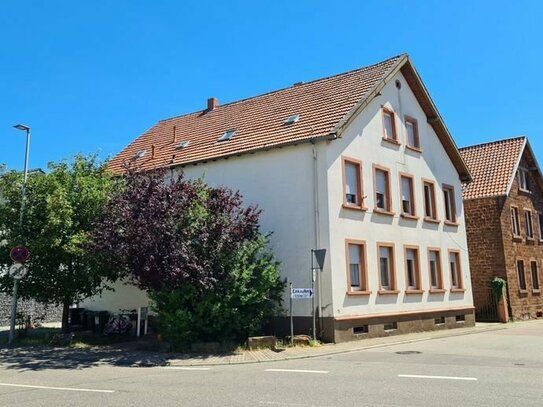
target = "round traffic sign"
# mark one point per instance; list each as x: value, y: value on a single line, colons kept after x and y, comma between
x: 19, y: 254
x: 18, y: 271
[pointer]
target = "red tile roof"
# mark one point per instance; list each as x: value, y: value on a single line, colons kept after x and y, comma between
x: 493, y: 166
x: 324, y: 106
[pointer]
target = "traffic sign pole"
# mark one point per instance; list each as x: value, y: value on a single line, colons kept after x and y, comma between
x: 313, y: 297
x: 291, y: 319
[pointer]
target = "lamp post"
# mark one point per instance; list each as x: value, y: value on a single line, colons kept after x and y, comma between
x: 21, y: 127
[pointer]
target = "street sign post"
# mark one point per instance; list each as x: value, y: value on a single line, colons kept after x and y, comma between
x: 301, y: 293
x: 18, y: 271
x: 19, y: 254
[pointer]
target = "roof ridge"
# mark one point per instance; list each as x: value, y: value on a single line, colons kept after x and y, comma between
x: 499, y: 141
x: 289, y: 87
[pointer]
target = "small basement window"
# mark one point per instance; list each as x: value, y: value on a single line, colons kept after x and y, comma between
x: 460, y: 319
x: 227, y: 135
x: 183, y: 144
x: 392, y: 326
x: 439, y: 321
x: 360, y: 330
x: 292, y: 119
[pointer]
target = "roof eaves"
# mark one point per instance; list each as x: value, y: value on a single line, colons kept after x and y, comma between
x: 515, y: 168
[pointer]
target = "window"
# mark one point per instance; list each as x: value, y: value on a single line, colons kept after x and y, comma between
x: 389, y: 125
x: 528, y: 224
x: 382, y: 189
x: 352, y: 183
x: 430, y: 212
x: 412, y: 132
x: 356, y: 273
x: 412, y: 268
x: 227, y: 135
x: 456, y: 276
x: 540, y: 225
x: 450, y: 206
x: 408, y: 196
x: 535, y: 275
x: 523, y: 179
x: 386, y: 267
x: 515, y: 222
x: 520, y: 275
x: 434, y: 260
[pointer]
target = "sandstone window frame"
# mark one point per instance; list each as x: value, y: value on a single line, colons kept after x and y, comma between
x: 455, y: 268
x: 523, y: 180
x: 429, y: 200
x: 391, y: 287
x: 415, y: 143
x: 386, y: 194
x: 386, y: 115
x: 438, y: 287
x: 515, y: 221
x: 412, y: 268
x: 521, y: 275
x: 362, y: 288
x: 529, y: 224
x: 449, y: 205
x: 359, y: 183
x: 412, y: 212
x: 534, y: 274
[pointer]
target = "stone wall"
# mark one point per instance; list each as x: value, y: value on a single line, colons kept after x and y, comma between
x: 525, y: 304
x: 486, y: 248
x: 36, y: 310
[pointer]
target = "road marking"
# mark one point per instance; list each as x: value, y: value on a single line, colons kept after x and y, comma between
x: 472, y: 379
x: 297, y: 371
x: 56, y: 388
x: 183, y: 368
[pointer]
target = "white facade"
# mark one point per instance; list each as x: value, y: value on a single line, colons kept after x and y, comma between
x: 300, y: 190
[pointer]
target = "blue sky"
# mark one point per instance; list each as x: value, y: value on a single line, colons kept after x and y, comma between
x: 90, y: 76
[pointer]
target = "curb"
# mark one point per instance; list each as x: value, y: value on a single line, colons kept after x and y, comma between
x: 446, y: 334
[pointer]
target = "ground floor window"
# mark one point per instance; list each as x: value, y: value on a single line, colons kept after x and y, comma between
x: 535, y: 275
x: 520, y: 275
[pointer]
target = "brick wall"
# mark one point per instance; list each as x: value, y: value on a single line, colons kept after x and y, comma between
x: 486, y: 252
x: 529, y: 303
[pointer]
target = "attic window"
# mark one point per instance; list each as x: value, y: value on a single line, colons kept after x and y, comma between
x: 292, y: 119
x: 228, y: 134
x: 182, y: 145
x: 140, y: 154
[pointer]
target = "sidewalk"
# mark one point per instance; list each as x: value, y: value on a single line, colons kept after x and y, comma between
x: 268, y: 355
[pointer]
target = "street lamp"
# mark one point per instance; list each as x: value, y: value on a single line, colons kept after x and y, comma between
x: 21, y: 127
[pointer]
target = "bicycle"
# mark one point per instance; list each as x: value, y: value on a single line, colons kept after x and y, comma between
x: 119, y: 323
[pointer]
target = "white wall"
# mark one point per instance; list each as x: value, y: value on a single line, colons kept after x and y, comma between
x: 280, y: 182
x: 363, y: 140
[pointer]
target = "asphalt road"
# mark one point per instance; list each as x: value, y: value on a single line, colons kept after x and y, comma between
x: 498, y: 368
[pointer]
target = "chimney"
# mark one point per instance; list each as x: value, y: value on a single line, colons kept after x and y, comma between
x: 212, y: 103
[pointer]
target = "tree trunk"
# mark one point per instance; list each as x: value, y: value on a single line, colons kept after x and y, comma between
x: 65, y: 314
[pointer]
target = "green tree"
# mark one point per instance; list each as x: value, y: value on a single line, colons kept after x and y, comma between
x: 61, y: 208
x: 197, y: 251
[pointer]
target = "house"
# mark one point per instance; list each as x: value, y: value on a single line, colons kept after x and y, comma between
x: 504, y: 221
x: 360, y: 164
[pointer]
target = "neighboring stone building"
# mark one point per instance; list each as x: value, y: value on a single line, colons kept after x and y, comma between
x: 360, y: 164
x: 504, y: 221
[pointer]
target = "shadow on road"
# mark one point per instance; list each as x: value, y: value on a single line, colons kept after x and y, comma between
x: 44, y: 357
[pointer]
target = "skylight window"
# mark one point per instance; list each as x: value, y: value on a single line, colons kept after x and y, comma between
x: 182, y: 145
x: 292, y: 119
x: 140, y: 154
x: 228, y: 134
